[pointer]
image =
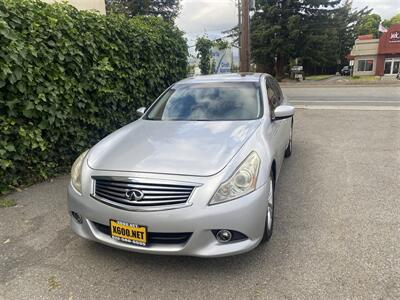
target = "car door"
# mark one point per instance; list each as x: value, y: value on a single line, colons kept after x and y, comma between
x: 279, y: 136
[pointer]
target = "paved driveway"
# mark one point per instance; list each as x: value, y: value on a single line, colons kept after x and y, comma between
x: 337, y: 231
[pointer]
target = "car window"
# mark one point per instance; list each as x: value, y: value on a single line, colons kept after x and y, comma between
x: 274, y: 98
x: 277, y: 90
x: 208, y: 102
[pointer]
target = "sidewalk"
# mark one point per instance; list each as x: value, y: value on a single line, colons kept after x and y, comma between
x: 336, y: 81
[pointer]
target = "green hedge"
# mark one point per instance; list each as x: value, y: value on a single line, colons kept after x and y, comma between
x: 69, y: 77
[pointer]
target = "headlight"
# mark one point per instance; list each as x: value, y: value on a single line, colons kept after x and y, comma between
x: 76, y: 172
x: 242, y: 182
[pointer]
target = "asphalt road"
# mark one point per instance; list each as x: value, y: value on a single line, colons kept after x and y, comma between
x: 383, y: 96
x: 337, y: 231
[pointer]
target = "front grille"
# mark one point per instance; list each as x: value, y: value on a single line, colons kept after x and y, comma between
x: 155, y: 237
x: 155, y: 194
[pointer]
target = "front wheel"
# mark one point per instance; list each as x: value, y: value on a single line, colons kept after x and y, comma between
x: 269, y: 220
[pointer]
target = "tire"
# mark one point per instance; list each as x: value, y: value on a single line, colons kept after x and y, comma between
x: 269, y: 218
x: 289, y: 148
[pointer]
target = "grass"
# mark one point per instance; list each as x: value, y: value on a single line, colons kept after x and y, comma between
x: 318, y: 77
x: 5, y: 203
x: 365, y: 78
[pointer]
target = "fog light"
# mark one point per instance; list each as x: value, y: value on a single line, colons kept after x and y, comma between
x: 78, y: 218
x: 223, y: 236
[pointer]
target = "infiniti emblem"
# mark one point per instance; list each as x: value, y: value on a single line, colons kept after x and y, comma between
x: 134, y: 195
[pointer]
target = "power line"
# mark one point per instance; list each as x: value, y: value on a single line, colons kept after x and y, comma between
x: 213, y: 40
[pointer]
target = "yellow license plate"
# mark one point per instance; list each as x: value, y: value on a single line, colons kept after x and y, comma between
x: 129, y: 233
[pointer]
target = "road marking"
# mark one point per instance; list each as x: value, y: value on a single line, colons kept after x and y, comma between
x: 348, y: 107
x: 335, y: 86
x: 345, y: 101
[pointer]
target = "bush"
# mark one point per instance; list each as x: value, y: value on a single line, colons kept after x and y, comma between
x: 69, y: 77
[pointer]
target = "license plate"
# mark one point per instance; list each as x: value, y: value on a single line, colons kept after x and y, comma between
x: 128, y: 233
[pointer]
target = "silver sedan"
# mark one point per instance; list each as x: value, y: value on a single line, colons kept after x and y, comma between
x: 195, y: 175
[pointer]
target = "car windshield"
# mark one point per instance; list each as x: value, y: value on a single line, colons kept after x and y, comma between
x: 208, y: 102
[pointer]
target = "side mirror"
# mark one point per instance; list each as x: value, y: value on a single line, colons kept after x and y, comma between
x: 283, y: 112
x: 140, y: 111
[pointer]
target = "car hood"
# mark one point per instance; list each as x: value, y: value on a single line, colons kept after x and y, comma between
x: 172, y: 147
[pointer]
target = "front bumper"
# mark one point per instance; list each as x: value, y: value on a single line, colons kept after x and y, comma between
x: 245, y: 215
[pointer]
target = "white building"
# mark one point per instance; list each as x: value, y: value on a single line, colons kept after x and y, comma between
x: 98, y: 5
x: 365, y: 53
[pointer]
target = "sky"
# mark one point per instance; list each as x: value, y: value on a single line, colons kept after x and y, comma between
x: 199, y: 17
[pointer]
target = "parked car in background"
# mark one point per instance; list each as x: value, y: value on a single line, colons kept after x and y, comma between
x: 346, y: 71
x: 195, y: 175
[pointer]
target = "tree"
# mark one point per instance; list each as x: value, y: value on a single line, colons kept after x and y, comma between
x: 203, y: 47
x: 278, y: 29
x: 221, y: 44
x: 394, y: 20
x: 368, y: 24
x: 167, y: 9
x: 345, y: 20
x: 316, y: 32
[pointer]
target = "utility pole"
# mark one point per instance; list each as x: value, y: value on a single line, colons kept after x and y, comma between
x: 245, y: 37
x: 239, y: 4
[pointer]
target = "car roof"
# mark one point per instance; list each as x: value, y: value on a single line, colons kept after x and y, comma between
x: 228, y: 77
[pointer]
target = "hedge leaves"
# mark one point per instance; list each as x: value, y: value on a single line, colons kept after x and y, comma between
x: 69, y: 77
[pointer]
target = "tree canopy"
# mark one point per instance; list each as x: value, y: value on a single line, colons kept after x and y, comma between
x: 394, y: 20
x: 368, y: 24
x: 168, y: 9
x: 316, y: 32
x: 203, y: 49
